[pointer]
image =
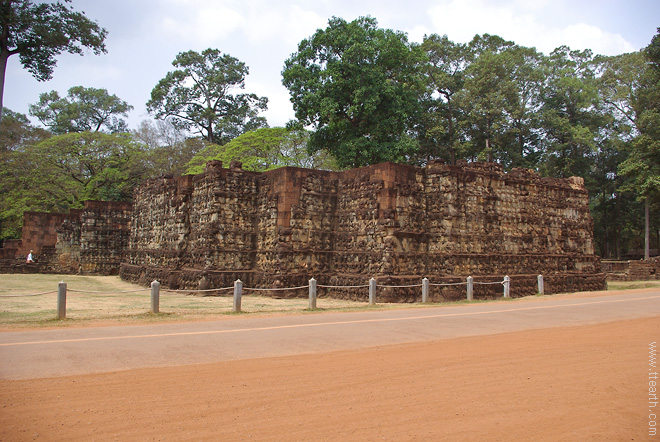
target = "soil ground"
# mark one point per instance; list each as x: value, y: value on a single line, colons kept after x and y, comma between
x: 586, y: 383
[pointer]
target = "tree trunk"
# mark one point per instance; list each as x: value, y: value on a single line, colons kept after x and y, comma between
x: 647, y: 229
x: 490, y: 157
x: 451, y: 132
x: 4, y: 56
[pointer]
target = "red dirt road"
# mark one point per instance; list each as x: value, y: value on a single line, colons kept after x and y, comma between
x: 584, y: 383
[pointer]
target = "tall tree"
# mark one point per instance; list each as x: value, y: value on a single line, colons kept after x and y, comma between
x: 445, y: 73
x: 570, y: 116
x: 619, y: 83
x: 357, y: 85
x: 198, y: 96
x: 83, y: 109
x: 37, y: 33
x: 643, y: 162
x: 487, y: 89
x: 522, y: 107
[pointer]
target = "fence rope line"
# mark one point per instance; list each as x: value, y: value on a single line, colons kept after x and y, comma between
x: 107, y: 293
x: 197, y: 290
x: 258, y: 289
x: 398, y: 286
x: 342, y: 286
x: 447, y: 283
x: 486, y: 283
x: 25, y: 296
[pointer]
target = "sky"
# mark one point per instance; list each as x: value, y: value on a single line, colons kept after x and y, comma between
x: 144, y: 37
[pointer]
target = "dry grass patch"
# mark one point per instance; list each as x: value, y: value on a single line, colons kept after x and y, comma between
x: 632, y: 285
x: 108, y: 299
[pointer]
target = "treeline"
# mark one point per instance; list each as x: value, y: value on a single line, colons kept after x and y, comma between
x: 362, y: 95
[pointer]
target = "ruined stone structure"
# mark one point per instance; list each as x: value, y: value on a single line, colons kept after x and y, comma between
x: 88, y: 240
x: 394, y: 222
x: 633, y: 270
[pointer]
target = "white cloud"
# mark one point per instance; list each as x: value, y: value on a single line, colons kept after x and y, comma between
x: 280, y: 109
x: 417, y: 33
x: 584, y: 36
x: 302, y: 24
x: 531, y: 24
x: 201, y: 24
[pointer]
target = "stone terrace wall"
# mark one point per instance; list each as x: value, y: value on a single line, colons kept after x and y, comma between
x: 88, y: 240
x: 394, y: 222
x: 104, y: 236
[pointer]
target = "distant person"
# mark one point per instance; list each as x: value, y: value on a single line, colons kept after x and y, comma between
x: 29, y: 257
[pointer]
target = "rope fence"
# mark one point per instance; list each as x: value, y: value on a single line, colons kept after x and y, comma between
x: 107, y: 293
x: 198, y: 290
x: 312, y: 287
x: 398, y: 286
x: 26, y: 296
x: 280, y: 289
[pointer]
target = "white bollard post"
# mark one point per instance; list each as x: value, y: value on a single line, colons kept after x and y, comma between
x: 470, y: 288
x: 61, y: 300
x: 312, y: 294
x: 507, y: 286
x: 372, y: 291
x: 425, y: 290
x: 541, y: 287
x: 155, y: 296
x: 238, y: 292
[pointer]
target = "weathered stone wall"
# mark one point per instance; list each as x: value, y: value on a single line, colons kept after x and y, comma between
x: 394, y: 222
x: 632, y: 270
x: 88, y: 240
x: 40, y: 230
x: 644, y: 269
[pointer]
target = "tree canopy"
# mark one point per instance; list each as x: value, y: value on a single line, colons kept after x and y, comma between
x: 60, y: 172
x: 83, y: 109
x: 357, y: 85
x: 264, y: 149
x: 198, y: 96
x: 38, y: 33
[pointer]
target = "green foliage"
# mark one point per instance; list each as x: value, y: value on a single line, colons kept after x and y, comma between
x: 643, y: 163
x: 197, y: 96
x: 358, y: 86
x: 82, y: 110
x: 15, y: 133
x: 570, y: 116
x: 40, y: 32
x: 61, y: 172
x: 86, y: 166
x: 264, y: 149
x: 445, y: 75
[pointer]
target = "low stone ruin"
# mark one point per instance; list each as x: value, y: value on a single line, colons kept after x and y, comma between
x: 88, y: 240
